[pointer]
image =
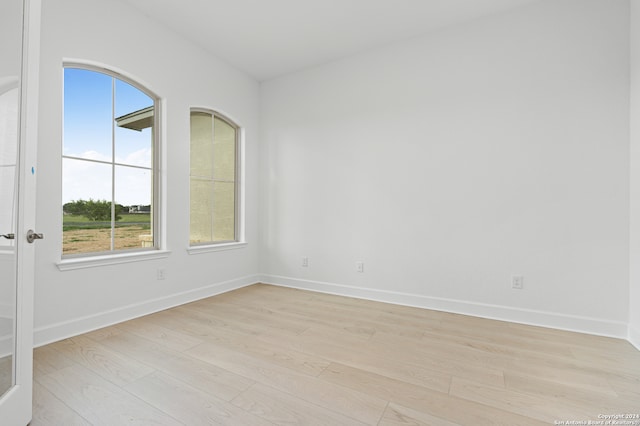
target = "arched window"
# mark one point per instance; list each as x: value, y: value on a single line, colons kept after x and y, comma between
x: 108, y: 163
x: 214, y: 170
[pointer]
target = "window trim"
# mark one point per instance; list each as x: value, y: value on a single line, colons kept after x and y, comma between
x: 93, y: 261
x: 213, y: 247
x: 125, y: 255
x: 239, y: 242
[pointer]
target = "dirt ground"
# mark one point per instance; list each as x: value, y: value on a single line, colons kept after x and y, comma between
x: 93, y: 240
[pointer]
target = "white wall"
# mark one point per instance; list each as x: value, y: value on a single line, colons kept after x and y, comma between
x: 451, y: 162
x: 113, y: 34
x: 634, y: 291
x: 446, y: 163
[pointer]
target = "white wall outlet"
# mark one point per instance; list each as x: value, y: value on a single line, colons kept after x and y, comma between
x: 161, y: 274
x: 517, y: 282
x: 360, y: 266
x: 305, y: 262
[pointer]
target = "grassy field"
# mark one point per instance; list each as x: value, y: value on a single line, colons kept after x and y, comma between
x: 80, y: 235
x: 70, y: 221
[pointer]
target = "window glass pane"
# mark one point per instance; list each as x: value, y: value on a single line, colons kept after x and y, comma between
x: 130, y: 98
x: 82, y: 180
x: 134, y: 147
x: 213, y: 179
x: 86, y: 219
x: 87, y: 114
x: 201, y: 196
x: 133, y: 197
x: 87, y: 238
x: 133, y: 187
x: 224, y: 211
x: 224, y: 150
x: 134, y: 125
x: 133, y: 232
x: 201, y: 144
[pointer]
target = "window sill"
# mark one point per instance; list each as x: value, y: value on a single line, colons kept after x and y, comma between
x: 215, y: 247
x: 111, y: 259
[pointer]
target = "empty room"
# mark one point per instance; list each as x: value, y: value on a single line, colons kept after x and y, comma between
x: 356, y: 212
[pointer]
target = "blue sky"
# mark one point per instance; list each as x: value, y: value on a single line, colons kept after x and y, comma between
x: 88, y: 134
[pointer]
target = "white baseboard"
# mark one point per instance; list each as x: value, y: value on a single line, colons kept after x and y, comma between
x: 63, y: 330
x: 634, y: 337
x: 503, y: 313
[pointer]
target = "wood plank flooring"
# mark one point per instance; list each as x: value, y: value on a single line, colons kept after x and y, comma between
x: 266, y: 355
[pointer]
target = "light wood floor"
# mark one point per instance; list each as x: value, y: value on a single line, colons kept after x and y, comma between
x: 265, y: 355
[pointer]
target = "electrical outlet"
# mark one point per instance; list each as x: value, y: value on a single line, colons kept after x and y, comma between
x: 360, y: 266
x: 305, y: 262
x: 161, y: 274
x: 517, y: 282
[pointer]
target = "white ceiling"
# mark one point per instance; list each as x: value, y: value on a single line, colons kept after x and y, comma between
x: 268, y: 38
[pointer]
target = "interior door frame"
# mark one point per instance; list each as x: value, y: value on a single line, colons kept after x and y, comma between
x: 16, y: 404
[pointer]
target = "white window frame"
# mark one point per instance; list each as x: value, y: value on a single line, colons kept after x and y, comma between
x: 211, y: 246
x: 158, y: 250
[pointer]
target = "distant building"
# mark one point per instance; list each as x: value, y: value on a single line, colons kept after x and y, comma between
x: 140, y: 209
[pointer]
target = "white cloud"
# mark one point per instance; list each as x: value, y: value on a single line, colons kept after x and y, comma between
x: 141, y: 157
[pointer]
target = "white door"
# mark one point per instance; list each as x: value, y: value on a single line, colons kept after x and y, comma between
x: 19, y: 51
